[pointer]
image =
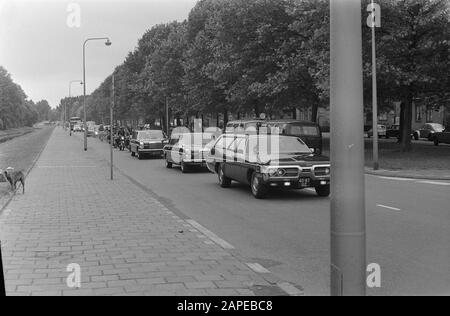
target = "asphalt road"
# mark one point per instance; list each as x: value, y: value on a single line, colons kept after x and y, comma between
x: 408, y: 225
x: 20, y: 153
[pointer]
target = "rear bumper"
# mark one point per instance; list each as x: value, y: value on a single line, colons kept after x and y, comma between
x: 195, y: 162
x: 151, y: 151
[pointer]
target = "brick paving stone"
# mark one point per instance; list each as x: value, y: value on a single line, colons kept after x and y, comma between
x: 72, y: 213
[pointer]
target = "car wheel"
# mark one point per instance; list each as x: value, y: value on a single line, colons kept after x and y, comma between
x: 139, y: 155
x: 323, y: 190
x: 259, y: 190
x: 416, y: 136
x: 168, y: 164
x: 224, y: 181
x: 184, y: 167
x: 436, y: 141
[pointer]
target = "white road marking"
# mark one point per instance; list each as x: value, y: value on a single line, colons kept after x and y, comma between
x: 434, y: 182
x: 290, y: 289
x: 396, y: 179
x: 389, y: 207
x: 211, y: 235
x: 60, y: 167
x: 257, y: 268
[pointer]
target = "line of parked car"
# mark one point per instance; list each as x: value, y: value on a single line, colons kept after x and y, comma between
x: 284, y: 154
x: 433, y: 132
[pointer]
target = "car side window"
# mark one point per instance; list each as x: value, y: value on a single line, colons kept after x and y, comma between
x: 173, y: 141
x: 219, y: 144
x: 241, y: 145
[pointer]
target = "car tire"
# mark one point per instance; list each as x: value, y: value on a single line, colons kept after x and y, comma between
x: 139, y: 155
x: 323, y: 190
x: 259, y: 190
x: 168, y: 164
x: 184, y: 167
x: 436, y: 141
x: 224, y: 181
x: 431, y: 138
x: 416, y: 136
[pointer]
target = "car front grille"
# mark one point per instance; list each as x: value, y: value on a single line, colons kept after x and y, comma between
x: 291, y: 172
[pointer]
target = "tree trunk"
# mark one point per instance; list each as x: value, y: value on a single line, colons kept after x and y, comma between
x: 407, y: 128
x: 294, y: 113
x: 402, y: 121
x: 314, y: 112
x: 257, y: 110
x: 225, y: 118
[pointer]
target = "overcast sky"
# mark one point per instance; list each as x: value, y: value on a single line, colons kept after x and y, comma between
x: 42, y: 53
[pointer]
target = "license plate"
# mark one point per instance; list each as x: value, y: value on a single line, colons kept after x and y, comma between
x: 305, y: 182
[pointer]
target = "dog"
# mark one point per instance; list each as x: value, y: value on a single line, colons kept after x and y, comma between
x: 14, y: 177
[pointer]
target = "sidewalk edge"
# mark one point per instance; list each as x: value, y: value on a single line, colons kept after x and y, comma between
x: 393, y: 174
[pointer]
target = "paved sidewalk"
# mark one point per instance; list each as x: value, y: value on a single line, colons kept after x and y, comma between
x: 125, y: 241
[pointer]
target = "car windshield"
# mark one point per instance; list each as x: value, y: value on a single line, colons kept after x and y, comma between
x: 197, y: 139
x: 298, y: 129
x: 437, y: 127
x: 151, y: 135
x: 274, y: 146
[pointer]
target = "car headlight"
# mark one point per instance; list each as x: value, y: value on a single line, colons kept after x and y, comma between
x: 273, y: 172
x: 327, y: 171
x: 141, y: 144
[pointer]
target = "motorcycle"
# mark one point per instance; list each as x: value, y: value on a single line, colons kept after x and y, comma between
x: 122, y: 143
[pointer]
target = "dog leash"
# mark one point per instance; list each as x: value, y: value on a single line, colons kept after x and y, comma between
x: 2, y: 277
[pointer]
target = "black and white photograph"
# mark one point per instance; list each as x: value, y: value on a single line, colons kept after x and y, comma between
x: 225, y: 155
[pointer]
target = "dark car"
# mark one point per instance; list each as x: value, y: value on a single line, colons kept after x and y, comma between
x: 186, y: 150
x: 393, y: 131
x: 146, y: 143
x: 309, y: 132
x: 442, y: 137
x: 428, y: 130
x: 269, y: 161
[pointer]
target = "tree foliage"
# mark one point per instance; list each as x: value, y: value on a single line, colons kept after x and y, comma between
x: 253, y: 56
x: 15, y: 109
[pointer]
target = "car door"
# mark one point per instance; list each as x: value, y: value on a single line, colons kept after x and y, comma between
x: 175, y: 150
x: 425, y: 131
x: 240, y: 166
x: 133, y: 142
x: 168, y: 148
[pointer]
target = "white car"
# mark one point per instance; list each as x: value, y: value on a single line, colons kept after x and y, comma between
x: 381, y: 131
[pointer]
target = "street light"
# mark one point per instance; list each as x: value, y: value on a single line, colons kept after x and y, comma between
x: 70, y: 96
x: 107, y: 43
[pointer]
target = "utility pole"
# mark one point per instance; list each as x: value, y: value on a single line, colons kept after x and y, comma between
x: 374, y: 21
x: 348, y: 232
x: 111, y: 112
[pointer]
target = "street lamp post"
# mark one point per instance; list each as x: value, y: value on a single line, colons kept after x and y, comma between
x: 107, y: 43
x: 70, y: 96
x: 111, y: 111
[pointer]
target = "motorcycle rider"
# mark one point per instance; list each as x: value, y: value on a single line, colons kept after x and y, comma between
x: 120, y: 134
